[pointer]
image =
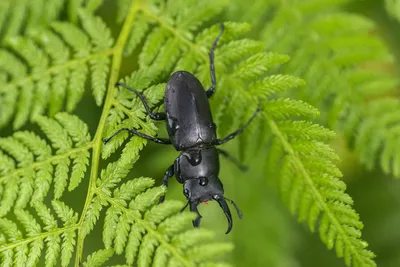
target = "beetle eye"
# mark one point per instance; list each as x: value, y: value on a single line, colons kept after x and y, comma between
x: 186, y: 193
x: 203, y: 181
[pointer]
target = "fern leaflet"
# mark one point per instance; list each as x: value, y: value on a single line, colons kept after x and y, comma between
x: 37, y: 77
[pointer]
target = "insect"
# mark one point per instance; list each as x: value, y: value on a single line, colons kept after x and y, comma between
x: 192, y: 131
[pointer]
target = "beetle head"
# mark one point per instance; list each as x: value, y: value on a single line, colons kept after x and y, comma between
x: 204, y: 189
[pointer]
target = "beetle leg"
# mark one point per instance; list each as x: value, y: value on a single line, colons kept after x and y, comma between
x: 168, y: 174
x: 193, y: 208
x: 155, y: 116
x: 211, y: 90
x: 232, y: 159
x: 163, y: 141
x: 238, y: 131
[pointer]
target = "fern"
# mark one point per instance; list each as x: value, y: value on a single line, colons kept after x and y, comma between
x: 36, y: 221
x: 358, y: 95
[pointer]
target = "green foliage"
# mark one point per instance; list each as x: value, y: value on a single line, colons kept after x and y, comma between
x: 393, y: 8
x: 133, y: 225
x: 50, y: 68
x: 359, y: 94
x: 22, y: 15
x: 46, y: 68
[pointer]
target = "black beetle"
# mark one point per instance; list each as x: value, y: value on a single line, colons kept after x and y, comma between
x: 191, y: 130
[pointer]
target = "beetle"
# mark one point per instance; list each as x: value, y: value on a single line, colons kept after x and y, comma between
x: 192, y: 131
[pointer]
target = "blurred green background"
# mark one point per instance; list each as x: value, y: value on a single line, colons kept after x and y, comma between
x: 268, y: 235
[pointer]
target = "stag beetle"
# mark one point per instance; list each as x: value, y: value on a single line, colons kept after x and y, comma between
x: 192, y: 131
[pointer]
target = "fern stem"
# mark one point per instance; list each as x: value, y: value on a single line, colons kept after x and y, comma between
x: 70, y: 64
x: 52, y: 159
x: 316, y: 194
x: 163, y: 241
x: 116, y: 63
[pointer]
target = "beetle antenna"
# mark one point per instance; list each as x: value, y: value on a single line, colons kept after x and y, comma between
x: 224, y: 206
x: 240, y: 214
x: 187, y: 204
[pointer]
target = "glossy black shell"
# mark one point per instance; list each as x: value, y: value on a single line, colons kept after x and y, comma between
x: 189, y: 119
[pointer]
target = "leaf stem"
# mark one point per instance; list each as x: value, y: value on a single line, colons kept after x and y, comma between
x: 115, y: 68
x: 316, y: 193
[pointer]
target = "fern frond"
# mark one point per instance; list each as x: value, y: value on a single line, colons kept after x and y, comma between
x: 31, y: 163
x: 40, y: 67
x: 354, y: 78
x: 35, y: 240
x: 310, y: 186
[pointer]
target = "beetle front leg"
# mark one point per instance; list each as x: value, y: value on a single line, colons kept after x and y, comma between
x: 155, y: 116
x: 163, y: 141
x: 168, y: 174
x: 237, y: 132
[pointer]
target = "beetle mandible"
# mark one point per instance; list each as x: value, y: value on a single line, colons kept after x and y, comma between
x: 192, y: 131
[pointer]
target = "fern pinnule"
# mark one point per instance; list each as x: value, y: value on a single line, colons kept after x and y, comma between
x: 98, y: 258
x: 137, y: 33
x: 18, y: 17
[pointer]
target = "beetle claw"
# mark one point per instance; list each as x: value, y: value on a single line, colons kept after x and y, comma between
x: 222, y: 203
